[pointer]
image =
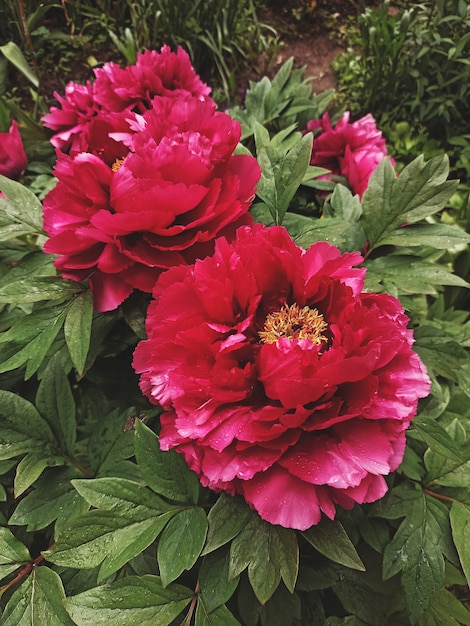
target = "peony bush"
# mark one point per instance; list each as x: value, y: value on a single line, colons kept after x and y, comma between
x: 235, y: 377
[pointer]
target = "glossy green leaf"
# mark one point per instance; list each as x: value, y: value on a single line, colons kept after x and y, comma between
x: 216, y: 587
x: 37, y: 601
x: 22, y: 429
x: 226, y: 519
x: 12, y: 552
x: 136, y: 600
x: 39, y: 289
x: 22, y: 206
x: 165, y: 472
x: 181, y: 543
x: 13, y: 53
x: 77, y: 329
x: 460, y: 522
x: 55, y: 402
x: 28, y: 471
x: 436, y: 437
x: 331, y: 540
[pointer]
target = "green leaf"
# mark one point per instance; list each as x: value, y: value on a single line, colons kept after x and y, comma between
x: 28, y: 471
x: 389, y: 202
x: 269, y: 552
x: 226, y: 519
x: 138, y: 600
x: 331, y: 540
x: 22, y: 206
x: 38, y: 289
x: 416, y: 548
x: 22, y: 429
x: 446, y: 610
x: 216, y: 587
x: 460, y: 522
x: 53, y: 498
x: 38, y: 601
x: 77, y: 329
x: 13, y: 53
x: 164, y: 472
x: 12, y: 553
x: 55, y: 401
x: 436, y: 437
x: 220, y: 616
x: 101, y: 537
x: 128, y: 520
x: 181, y: 543
x: 33, y: 264
x: 440, y: 236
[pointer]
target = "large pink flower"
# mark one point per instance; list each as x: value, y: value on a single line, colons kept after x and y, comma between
x: 13, y: 159
x: 280, y: 379
x: 163, y: 204
x: 352, y: 150
x: 120, y: 90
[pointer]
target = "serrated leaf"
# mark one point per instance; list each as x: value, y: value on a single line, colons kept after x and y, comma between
x: 216, y: 588
x: 226, y: 519
x: 12, y: 552
x: 22, y: 206
x: 55, y: 401
x: 165, y: 472
x: 269, y: 552
x: 389, y: 202
x: 77, y: 329
x: 331, y: 540
x: 181, y: 543
x: 133, y: 600
x: 22, y: 429
x: 460, y: 522
x: 38, y: 601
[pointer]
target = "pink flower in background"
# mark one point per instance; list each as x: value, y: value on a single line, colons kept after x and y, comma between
x: 13, y: 159
x: 120, y: 90
x: 163, y: 73
x: 281, y: 380
x: 352, y: 150
x: 163, y: 204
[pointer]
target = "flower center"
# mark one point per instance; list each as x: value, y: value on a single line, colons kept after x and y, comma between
x: 117, y: 164
x: 293, y: 322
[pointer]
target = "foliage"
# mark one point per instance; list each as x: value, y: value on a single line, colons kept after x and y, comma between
x: 98, y: 525
x: 411, y: 64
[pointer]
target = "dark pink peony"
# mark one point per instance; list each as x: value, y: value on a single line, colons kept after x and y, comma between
x: 352, y: 150
x: 120, y: 90
x: 180, y: 186
x: 281, y: 380
x: 13, y: 159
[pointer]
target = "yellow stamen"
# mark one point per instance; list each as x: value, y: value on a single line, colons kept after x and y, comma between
x: 117, y: 164
x: 293, y: 322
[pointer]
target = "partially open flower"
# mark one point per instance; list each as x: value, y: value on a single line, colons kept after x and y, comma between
x: 13, y: 159
x: 177, y: 187
x: 281, y: 380
x: 352, y: 150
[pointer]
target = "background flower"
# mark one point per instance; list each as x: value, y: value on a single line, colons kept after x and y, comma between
x: 13, y: 159
x: 280, y: 379
x: 178, y: 187
x: 121, y: 90
x: 352, y: 150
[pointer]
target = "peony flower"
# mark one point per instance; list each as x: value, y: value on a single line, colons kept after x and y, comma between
x: 120, y: 90
x: 280, y: 378
x: 13, y: 159
x: 163, y: 204
x: 352, y: 150
x: 163, y: 73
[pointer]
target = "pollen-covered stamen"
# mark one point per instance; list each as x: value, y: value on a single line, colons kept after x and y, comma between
x: 117, y: 164
x: 293, y: 322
